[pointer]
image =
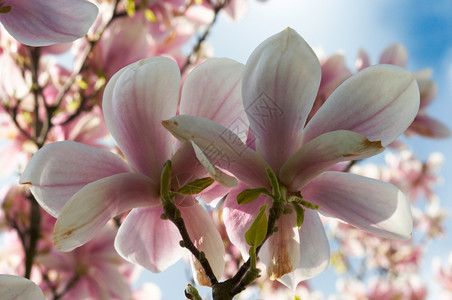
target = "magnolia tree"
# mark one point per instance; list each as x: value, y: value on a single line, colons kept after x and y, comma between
x: 248, y: 171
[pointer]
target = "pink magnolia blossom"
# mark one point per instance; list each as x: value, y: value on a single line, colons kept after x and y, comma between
x: 84, y: 187
x: 431, y: 220
x: 87, y: 128
x: 46, y: 22
x: 14, y: 149
x: 395, y: 54
x: 404, y: 287
x: 413, y: 176
x: 236, y: 9
x: 12, y: 255
x: 334, y: 72
x: 365, y: 113
x: 95, y: 270
x: 443, y: 273
x: 149, y: 291
x: 409, y: 287
x: 14, y: 82
x: 122, y: 43
x: 423, y: 124
x: 350, y: 289
x: 19, y: 288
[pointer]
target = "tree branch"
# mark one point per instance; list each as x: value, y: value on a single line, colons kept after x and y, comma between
x: 216, y: 9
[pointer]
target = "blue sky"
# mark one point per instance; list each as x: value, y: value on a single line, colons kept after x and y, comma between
x: 424, y: 27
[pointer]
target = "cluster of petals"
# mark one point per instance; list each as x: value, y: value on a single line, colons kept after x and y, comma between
x: 365, y: 113
x: 153, y: 28
x: 46, y: 22
x: 84, y: 187
x: 93, y: 271
x: 443, y: 274
x: 415, y: 177
x: 403, y: 287
x: 423, y: 124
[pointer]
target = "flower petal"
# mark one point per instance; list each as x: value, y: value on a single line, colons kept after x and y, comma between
x: 222, y: 147
x: 238, y: 218
x: 314, y: 251
x: 281, y: 252
x: 280, y: 83
x: 213, y: 194
x: 16, y: 287
x: 218, y: 175
x: 428, y: 127
x: 136, y: 100
x: 95, y: 204
x: 59, y: 170
x: 363, y: 60
x: 323, y: 152
x: 220, y: 98
x: 368, y: 204
x: 395, y: 54
x: 185, y: 167
x: 147, y: 240
x: 43, y: 22
x: 207, y: 239
x: 379, y: 102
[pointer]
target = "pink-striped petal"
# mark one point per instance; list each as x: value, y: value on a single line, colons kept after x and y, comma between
x: 236, y: 9
x: 314, y: 251
x: 363, y: 60
x: 44, y: 22
x: 238, y: 218
x: 59, y: 170
x: 368, y: 204
x: 147, y: 240
x: 19, y: 288
x: 379, y: 102
x: 395, y: 54
x: 213, y: 194
x: 98, y: 202
x: 428, y: 127
x: 427, y: 87
x: 218, y: 175
x: 280, y: 82
x: 207, y: 239
x: 220, y: 98
x: 281, y: 252
x: 185, y: 167
x: 323, y: 152
x: 222, y: 147
x: 136, y: 100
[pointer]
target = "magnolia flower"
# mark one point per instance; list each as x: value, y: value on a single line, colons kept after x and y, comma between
x: 46, y: 22
x: 19, y: 288
x: 364, y: 114
x: 415, y: 177
x: 334, y: 72
x: 93, y: 271
x: 423, y: 124
x: 442, y: 268
x: 84, y: 187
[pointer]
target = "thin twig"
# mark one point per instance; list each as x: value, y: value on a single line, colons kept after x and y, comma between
x: 34, y: 232
x: 67, y: 288
x: 216, y: 9
x: 91, y: 43
x: 350, y: 165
